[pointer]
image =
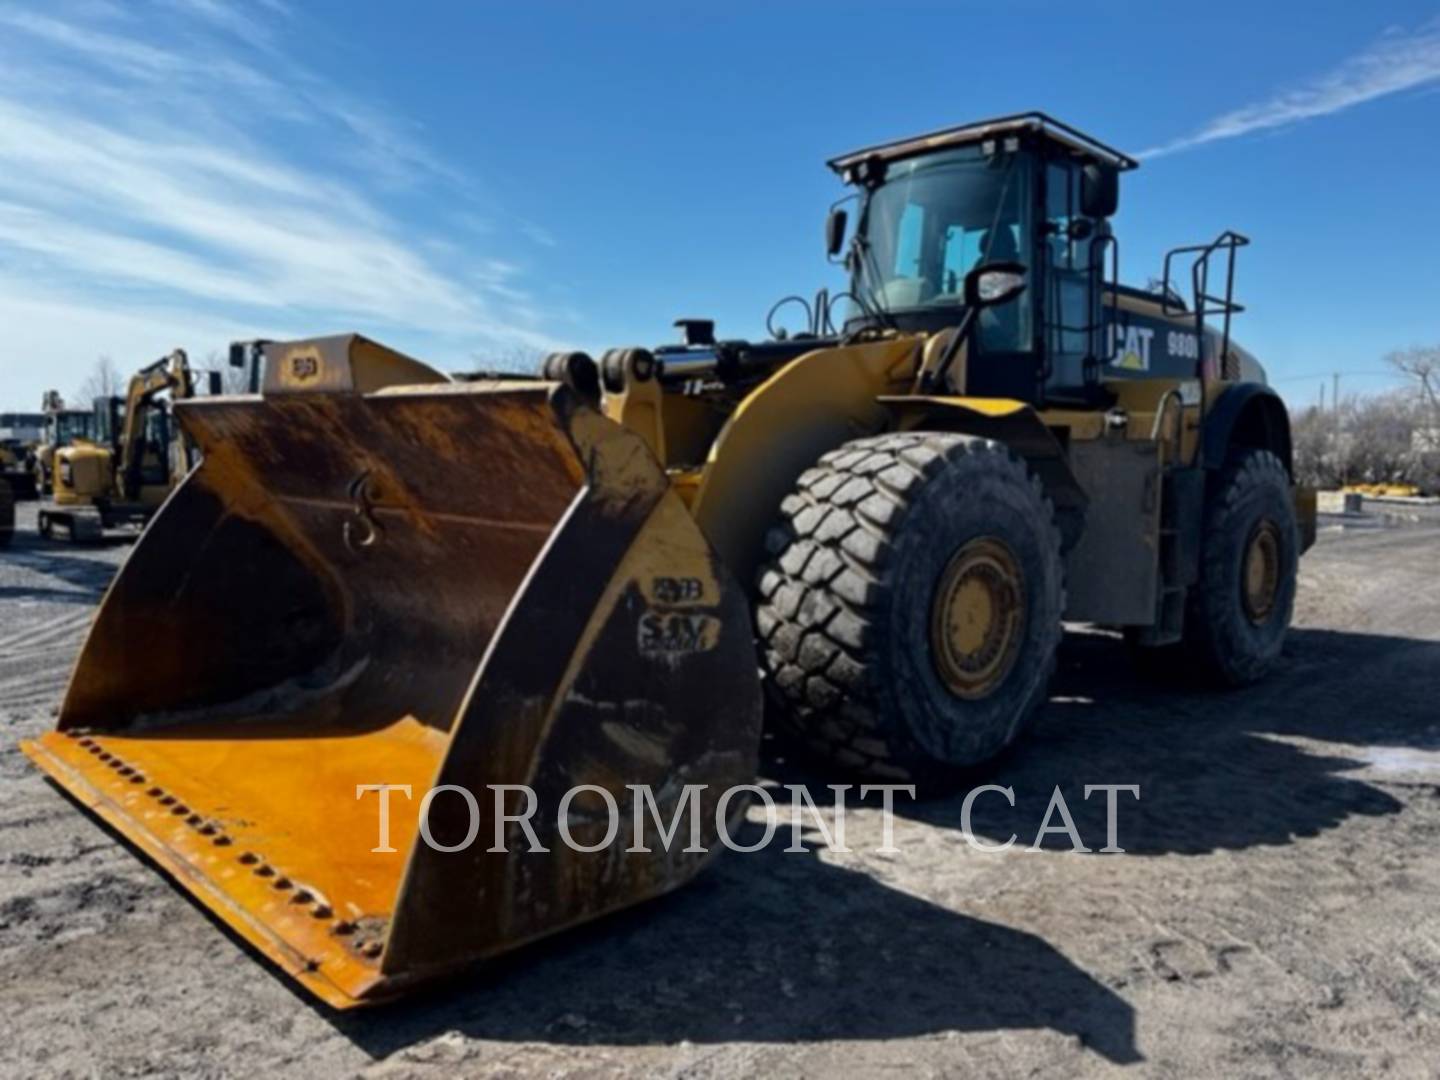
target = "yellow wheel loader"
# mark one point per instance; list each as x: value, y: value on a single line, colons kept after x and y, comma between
x: 384, y: 673
x: 126, y: 464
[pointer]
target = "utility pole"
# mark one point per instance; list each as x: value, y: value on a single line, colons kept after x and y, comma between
x: 1322, y: 398
x: 1335, y: 394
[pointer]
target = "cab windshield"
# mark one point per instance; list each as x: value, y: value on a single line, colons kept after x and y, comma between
x: 931, y: 221
x: 70, y: 426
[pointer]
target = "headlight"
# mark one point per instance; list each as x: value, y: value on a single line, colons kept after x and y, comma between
x: 67, y: 473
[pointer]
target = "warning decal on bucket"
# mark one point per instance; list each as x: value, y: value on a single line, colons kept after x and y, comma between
x: 302, y: 367
x: 678, y: 590
x: 677, y: 634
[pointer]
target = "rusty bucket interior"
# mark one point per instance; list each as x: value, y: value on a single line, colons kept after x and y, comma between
x: 443, y: 584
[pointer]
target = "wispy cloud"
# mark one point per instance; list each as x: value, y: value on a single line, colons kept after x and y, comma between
x: 236, y: 20
x: 190, y: 177
x: 1399, y: 60
x: 538, y: 234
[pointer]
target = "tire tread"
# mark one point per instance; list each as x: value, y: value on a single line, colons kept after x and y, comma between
x: 823, y: 590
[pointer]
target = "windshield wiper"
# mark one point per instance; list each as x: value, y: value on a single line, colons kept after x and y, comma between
x: 876, y: 308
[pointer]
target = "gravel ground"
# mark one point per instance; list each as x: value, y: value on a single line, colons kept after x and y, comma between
x: 1274, y: 912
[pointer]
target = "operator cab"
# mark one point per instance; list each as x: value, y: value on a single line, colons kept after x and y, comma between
x: 152, y: 466
x: 999, y: 231
x: 65, y: 427
x: 1024, y: 189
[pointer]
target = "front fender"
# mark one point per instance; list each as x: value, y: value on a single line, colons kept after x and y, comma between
x: 815, y: 403
x: 1019, y: 427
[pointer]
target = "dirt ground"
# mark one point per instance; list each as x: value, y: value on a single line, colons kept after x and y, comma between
x: 1276, y: 912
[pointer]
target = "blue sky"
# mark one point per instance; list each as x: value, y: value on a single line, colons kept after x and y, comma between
x: 480, y: 180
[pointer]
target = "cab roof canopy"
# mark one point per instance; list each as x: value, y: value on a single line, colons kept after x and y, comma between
x: 1034, y: 124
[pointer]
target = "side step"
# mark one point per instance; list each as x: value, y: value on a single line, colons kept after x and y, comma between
x: 1182, y: 504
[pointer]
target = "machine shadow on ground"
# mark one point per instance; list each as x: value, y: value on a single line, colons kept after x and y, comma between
x: 767, y: 947
x: 1217, y: 770
x: 764, y: 947
x: 88, y: 578
x: 776, y: 947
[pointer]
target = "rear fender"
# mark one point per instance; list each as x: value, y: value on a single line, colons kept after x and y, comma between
x: 1249, y: 415
x: 1252, y: 416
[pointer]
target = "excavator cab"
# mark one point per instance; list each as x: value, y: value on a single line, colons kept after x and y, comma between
x: 152, y: 464
x: 63, y: 427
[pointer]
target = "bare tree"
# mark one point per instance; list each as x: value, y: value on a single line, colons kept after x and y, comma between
x: 1369, y: 440
x: 1312, y: 434
x: 1421, y: 367
x: 1375, y: 438
x: 513, y: 359
x: 104, y: 380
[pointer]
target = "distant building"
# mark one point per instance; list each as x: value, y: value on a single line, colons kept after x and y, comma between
x: 22, y: 427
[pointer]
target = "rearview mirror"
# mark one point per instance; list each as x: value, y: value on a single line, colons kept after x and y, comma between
x: 835, y: 231
x: 237, y: 354
x: 217, y: 386
x: 1099, y: 191
x: 994, y: 283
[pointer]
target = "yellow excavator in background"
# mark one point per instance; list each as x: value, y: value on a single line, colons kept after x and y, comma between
x: 127, y: 462
x: 63, y: 427
x: 522, y: 614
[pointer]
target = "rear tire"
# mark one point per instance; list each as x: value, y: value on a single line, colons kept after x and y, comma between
x: 1240, y: 610
x: 910, y: 611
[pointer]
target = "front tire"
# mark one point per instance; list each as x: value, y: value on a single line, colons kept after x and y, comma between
x: 1244, y: 599
x: 910, y: 611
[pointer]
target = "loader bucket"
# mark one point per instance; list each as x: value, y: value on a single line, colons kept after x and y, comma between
x: 452, y: 584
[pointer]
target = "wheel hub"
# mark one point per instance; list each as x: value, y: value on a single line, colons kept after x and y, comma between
x: 1260, y: 572
x: 977, y: 619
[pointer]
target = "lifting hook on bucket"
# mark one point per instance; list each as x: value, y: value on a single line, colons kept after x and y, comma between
x: 361, y: 530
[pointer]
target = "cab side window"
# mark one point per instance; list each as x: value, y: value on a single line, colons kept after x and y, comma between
x: 1067, y: 301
